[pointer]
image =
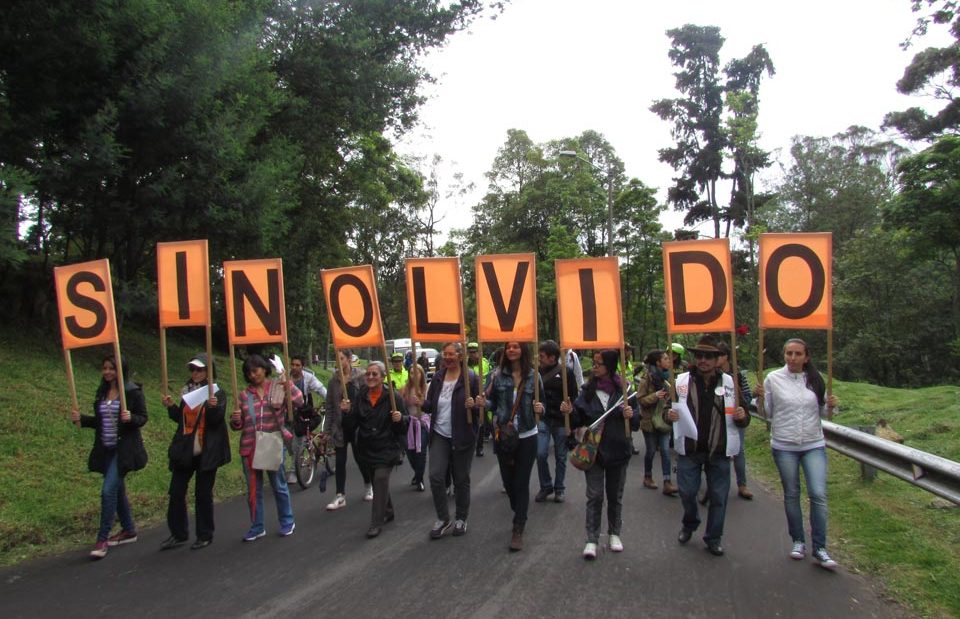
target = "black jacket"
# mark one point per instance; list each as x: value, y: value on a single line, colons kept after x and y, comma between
x: 216, y: 443
x: 553, y: 391
x: 380, y: 441
x: 131, y: 454
x: 615, y: 448
x: 464, y: 434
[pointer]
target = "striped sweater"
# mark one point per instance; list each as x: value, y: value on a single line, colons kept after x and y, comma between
x: 268, y: 418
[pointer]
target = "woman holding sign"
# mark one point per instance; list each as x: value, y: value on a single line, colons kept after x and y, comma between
x: 117, y: 450
x: 515, y: 428
x: 452, y: 438
x: 261, y: 412
x: 381, y: 429
x: 343, y: 427
x: 200, y: 445
x: 605, y: 392
x: 795, y: 400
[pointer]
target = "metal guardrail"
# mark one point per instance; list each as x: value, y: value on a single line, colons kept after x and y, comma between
x: 934, y: 474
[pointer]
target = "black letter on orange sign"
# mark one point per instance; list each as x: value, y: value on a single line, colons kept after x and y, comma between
x: 269, y: 314
x: 588, y: 297
x: 818, y: 280
x: 365, y: 323
x: 420, y: 307
x: 506, y: 316
x: 678, y: 294
x: 183, y: 296
x: 91, y: 305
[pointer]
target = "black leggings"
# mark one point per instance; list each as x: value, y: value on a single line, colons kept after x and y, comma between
x: 515, y: 472
x: 341, y: 472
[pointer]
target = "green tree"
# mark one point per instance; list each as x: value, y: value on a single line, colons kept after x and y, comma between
x: 927, y: 214
x: 934, y: 71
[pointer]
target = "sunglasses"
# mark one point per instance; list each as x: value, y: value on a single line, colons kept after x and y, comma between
x: 705, y: 355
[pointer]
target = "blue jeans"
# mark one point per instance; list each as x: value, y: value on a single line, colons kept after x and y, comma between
x: 740, y: 460
x: 653, y: 440
x: 281, y: 494
x: 559, y: 435
x: 113, y: 500
x: 814, y: 463
x: 717, y: 469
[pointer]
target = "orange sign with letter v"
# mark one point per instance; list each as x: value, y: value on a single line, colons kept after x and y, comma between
x: 506, y: 298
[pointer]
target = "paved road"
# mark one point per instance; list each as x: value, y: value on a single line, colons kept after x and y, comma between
x: 328, y: 567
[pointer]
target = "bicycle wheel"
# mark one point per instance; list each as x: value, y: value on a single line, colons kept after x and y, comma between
x: 305, y: 463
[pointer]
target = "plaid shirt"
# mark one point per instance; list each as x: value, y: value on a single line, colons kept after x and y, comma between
x: 268, y: 418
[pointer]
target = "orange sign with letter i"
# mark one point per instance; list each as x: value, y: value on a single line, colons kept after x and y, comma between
x: 183, y: 284
x: 588, y: 303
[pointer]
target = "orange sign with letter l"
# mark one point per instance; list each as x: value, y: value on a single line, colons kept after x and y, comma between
x: 506, y: 298
x: 698, y: 285
x: 183, y: 284
x: 85, y: 300
x: 352, y: 306
x: 588, y: 303
x: 254, y: 298
x: 795, y: 276
x: 434, y: 299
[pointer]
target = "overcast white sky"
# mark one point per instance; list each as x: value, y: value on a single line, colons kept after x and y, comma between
x: 557, y: 67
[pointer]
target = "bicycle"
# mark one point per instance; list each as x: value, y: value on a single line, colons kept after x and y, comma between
x: 314, y: 450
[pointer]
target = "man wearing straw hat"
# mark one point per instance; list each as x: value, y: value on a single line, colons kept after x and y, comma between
x: 705, y: 419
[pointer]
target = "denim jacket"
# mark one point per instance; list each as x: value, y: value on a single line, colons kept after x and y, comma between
x: 500, y: 400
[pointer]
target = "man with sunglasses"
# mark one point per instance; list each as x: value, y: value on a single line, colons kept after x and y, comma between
x: 706, y: 396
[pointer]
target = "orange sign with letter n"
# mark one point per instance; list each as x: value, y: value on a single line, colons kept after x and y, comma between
x: 256, y: 313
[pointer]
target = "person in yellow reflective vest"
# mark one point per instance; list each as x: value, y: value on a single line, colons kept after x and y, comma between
x: 397, y: 373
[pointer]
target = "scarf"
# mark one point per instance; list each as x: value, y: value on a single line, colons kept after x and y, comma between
x: 607, y: 385
x: 190, y: 415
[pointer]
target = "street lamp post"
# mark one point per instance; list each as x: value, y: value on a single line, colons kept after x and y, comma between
x: 609, y: 173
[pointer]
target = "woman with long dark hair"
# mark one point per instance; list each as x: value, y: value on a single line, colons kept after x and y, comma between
x: 210, y: 449
x: 653, y: 394
x: 261, y: 408
x: 117, y: 450
x: 343, y: 427
x: 512, y: 403
x: 795, y: 399
x: 609, y: 471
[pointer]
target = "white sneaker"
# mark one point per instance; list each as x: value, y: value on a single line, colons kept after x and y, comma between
x: 824, y: 560
x: 616, y: 545
x: 799, y: 551
x: 337, y: 503
x: 590, y: 551
x: 368, y: 496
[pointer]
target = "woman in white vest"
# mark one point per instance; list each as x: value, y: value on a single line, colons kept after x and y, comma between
x: 795, y: 399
